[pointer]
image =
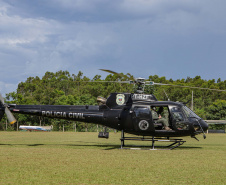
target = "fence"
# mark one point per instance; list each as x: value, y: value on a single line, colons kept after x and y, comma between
x: 220, y: 126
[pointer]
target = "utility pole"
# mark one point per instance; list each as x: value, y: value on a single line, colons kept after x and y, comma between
x: 192, y: 105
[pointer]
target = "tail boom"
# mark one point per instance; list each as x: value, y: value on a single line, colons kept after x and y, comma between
x: 89, y: 114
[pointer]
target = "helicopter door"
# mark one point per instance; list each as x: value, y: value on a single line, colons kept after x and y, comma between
x: 178, y: 119
x: 142, y: 119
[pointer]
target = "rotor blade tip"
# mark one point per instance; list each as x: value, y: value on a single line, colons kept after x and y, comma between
x: 14, y: 121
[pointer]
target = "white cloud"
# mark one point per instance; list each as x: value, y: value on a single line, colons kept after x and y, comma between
x: 17, y: 30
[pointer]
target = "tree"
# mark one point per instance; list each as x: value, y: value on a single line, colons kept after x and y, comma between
x: 217, y: 111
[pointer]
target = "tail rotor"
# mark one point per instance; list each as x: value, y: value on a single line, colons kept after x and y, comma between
x: 4, y: 107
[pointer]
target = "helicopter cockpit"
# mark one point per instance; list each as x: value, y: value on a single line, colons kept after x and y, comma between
x: 184, y: 118
x: 199, y: 124
x: 177, y: 117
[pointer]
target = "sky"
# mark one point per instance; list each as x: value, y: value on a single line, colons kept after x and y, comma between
x: 172, y: 38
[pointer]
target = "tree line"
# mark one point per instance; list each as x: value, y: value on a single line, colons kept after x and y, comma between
x: 63, y: 88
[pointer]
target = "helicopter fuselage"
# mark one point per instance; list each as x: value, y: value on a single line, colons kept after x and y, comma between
x: 132, y: 113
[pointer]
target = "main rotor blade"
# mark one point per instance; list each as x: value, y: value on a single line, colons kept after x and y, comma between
x: 119, y: 74
x: 202, y: 88
x: 110, y: 71
x: 104, y: 81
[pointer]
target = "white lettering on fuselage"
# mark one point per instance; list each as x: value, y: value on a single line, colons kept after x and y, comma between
x: 140, y: 96
x: 56, y: 114
x: 76, y: 115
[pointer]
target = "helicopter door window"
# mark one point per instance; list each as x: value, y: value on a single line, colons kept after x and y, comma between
x: 179, y: 118
x: 141, y: 111
x: 177, y: 114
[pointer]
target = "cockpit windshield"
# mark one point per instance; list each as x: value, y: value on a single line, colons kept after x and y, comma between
x: 189, y: 113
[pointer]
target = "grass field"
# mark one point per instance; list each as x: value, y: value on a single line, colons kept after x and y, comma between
x: 82, y: 158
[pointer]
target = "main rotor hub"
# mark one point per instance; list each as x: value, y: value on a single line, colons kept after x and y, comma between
x: 140, y: 80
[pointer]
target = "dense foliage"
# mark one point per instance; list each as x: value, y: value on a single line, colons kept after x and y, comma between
x: 62, y: 88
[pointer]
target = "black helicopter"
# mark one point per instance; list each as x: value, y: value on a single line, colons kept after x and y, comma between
x: 128, y: 112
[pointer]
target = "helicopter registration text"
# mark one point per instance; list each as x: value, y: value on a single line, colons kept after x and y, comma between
x: 140, y: 96
x: 63, y: 114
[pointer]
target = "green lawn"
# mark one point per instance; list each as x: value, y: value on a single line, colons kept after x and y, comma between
x: 82, y: 158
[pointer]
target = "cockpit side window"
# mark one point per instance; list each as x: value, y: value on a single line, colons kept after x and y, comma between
x: 189, y: 113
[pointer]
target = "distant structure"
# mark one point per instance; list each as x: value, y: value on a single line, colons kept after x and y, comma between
x: 216, y: 122
x: 36, y: 128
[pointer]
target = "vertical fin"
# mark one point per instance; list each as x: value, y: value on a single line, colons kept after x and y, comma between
x: 2, y: 110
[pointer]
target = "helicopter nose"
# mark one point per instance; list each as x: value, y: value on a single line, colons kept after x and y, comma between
x: 200, y: 125
x: 204, y: 125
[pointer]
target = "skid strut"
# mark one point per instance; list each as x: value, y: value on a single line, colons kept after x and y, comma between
x: 174, y: 142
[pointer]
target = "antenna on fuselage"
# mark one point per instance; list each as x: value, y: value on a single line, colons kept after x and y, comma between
x: 166, y: 95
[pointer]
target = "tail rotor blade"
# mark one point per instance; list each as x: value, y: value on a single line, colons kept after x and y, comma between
x: 9, y: 114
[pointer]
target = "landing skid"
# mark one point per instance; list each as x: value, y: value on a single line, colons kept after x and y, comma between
x: 175, y: 143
